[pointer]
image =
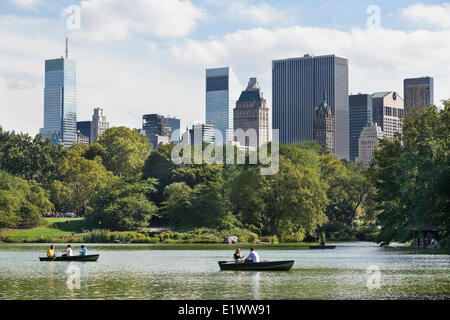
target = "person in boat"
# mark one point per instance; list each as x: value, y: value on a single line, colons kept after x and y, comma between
x: 83, y: 251
x: 68, y: 252
x: 253, y: 256
x: 238, y: 255
x: 51, y: 252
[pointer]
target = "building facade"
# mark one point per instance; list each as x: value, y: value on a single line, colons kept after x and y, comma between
x: 84, y: 127
x: 387, y: 112
x: 222, y: 92
x: 98, y: 125
x: 60, y: 102
x: 368, y: 141
x: 323, y: 125
x: 297, y: 87
x: 202, y: 133
x: 418, y: 92
x: 360, y: 114
x: 81, y: 138
x: 156, y: 124
x: 174, y: 125
x: 251, y: 112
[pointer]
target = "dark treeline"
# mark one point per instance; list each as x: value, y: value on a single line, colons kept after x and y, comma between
x: 117, y: 183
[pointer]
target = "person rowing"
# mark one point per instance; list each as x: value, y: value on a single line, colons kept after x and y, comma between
x: 68, y: 252
x: 253, y: 256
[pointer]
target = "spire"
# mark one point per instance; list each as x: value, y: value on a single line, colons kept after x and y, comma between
x: 67, y: 48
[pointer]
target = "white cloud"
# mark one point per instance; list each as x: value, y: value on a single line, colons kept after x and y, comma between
x: 431, y: 15
x: 260, y: 13
x: 109, y: 20
x: 379, y: 60
x: 28, y: 4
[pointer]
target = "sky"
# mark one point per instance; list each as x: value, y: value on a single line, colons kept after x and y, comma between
x: 149, y: 56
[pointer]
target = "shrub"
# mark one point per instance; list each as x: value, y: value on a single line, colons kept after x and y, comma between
x: 98, y: 236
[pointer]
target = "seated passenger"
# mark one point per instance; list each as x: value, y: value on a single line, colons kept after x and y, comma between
x: 83, y: 251
x: 238, y: 255
x: 253, y: 256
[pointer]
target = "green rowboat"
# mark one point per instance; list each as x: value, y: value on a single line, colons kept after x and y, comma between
x: 322, y: 247
x: 88, y: 257
x: 257, y: 266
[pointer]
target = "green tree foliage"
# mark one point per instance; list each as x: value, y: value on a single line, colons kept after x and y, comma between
x: 22, y: 203
x: 411, y: 174
x: 123, y: 205
x: 123, y: 151
x: 79, y: 181
x: 30, y: 158
x: 291, y: 201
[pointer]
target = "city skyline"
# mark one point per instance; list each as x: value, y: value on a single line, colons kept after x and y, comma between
x: 152, y: 63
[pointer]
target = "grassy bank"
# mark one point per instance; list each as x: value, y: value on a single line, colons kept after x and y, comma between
x: 70, y: 230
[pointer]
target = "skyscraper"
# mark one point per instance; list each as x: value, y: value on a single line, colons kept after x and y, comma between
x: 222, y: 92
x: 323, y: 124
x: 368, y: 141
x: 387, y: 108
x: 297, y: 87
x: 360, y: 114
x: 98, y: 124
x: 418, y: 92
x: 251, y: 112
x: 60, y: 101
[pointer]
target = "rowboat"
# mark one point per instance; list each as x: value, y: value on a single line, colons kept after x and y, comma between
x: 88, y: 257
x: 322, y: 247
x: 257, y: 266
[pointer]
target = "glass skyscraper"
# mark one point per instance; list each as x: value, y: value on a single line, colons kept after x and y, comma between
x: 360, y: 114
x: 418, y: 92
x: 222, y: 92
x: 298, y: 85
x: 60, y: 102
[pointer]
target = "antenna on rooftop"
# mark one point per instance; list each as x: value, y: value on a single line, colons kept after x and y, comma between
x: 67, y: 48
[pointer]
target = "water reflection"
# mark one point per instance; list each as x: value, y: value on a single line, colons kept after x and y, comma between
x: 152, y: 274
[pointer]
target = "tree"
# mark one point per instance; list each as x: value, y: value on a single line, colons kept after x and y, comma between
x: 123, y: 205
x: 80, y: 180
x: 411, y: 174
x: 123, y: 151
x: 22, y: 203
x: 30, y: 158
x: 293, y: 200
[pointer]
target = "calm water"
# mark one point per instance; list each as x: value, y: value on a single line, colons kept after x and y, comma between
x: 140, y: 272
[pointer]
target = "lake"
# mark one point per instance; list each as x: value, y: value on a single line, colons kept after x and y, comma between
x: 148, y: 272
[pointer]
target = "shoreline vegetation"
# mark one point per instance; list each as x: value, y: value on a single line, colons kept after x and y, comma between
x: 122, y: 190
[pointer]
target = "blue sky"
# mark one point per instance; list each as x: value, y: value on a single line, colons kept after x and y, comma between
x: 145, y: 56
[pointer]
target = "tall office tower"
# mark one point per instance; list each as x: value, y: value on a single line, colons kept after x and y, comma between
x: 98, y: 124
x: 387, y: 111
x: 85, y: 129
x: 174, y: 125
x: 251, y: 112
x: 222, y: 92
x: 323, y: 124
x: 297, y: 87
x: 201, y: 133
x: 156, y: 124
x: 368, y: 141
x: 418, y: 92
x: 360, y: 114
x: 60, y: 101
